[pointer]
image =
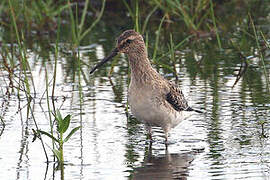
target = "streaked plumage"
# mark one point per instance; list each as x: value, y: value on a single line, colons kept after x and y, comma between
x: 153, y: 100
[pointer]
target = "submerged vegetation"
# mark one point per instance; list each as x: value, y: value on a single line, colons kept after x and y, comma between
x: 206, y: 35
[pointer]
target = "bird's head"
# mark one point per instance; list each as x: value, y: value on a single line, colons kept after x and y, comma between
x: 129, y: 42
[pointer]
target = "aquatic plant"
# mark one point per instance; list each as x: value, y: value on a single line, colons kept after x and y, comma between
x: 77, y: 28
x: 62, y: 127
x: 263, y: 67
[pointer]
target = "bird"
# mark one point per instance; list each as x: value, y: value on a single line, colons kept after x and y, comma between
x: 153, y: 100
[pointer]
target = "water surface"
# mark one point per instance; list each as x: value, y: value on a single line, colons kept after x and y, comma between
x: 225, y: 142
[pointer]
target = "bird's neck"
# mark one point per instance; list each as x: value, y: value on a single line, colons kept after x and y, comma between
x: 141, y: 69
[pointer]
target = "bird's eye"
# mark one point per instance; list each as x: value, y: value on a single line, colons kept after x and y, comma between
x: 129, y: 41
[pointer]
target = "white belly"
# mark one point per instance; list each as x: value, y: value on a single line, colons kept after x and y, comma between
x: 150, y: 111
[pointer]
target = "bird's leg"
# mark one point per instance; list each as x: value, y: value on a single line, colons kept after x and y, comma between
x: 166, y: 132
x: 149, y: 132
x: 166, y: 138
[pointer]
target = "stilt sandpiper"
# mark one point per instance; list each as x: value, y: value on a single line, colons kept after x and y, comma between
x: 153, y: 100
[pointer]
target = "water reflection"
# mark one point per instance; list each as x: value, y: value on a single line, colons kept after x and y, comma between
x: 164, y: 166
x: 111, y: 146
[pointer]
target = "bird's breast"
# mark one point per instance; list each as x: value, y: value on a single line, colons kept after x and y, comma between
x: 148, y: 107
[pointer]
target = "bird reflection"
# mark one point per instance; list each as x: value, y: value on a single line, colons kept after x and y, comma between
x: 166, y: 166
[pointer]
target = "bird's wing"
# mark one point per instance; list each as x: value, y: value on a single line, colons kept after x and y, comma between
x: 176, y: 98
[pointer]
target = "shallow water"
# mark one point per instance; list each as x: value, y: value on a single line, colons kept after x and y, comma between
x: 230, y: 140
x: 225, y: 142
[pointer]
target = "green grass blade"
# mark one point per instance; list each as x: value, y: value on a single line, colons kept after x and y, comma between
x: 260, y: 53
x: 60, y: 9
x: 83, y: 16
x: 176, y: 47
x: 129, y: 10
x: 265, y: 41
x: 73, y: 23
x: 157, y: 38
x: 215, y: 26
x: 147, y: 19
x: 95, y: 22
x: 137, y: 25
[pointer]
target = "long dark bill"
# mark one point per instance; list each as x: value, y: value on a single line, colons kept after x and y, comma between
x: 106, y: 59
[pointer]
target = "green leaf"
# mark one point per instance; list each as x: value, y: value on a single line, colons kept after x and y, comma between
x: 71, y: 133
x: 66, y: 123
x: 58, y: 115
x: 49, y: 135
x: 56, y: 153
x: 59, y: 120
